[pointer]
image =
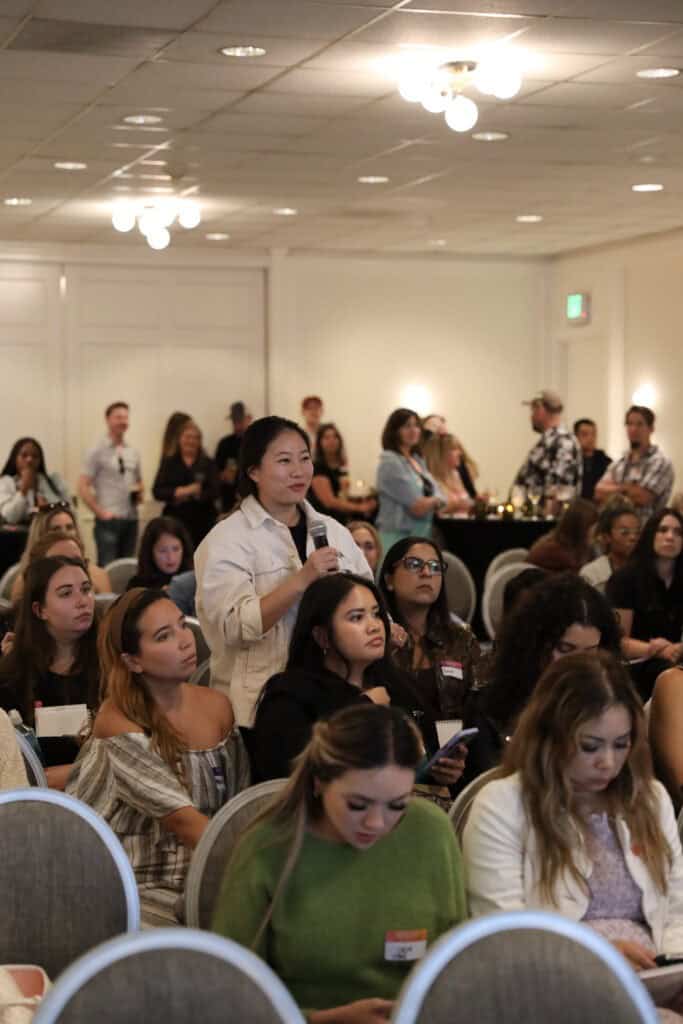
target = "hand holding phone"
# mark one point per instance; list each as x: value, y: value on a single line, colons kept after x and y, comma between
x: 448, y: 750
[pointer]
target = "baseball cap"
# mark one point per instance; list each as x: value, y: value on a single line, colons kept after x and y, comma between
x: 547, y: 397
x: 237, y: 411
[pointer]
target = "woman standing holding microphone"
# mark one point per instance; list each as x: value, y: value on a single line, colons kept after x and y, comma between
x: 254, y: 566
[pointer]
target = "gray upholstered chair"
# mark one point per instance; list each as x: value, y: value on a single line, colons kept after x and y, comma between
x: 6, y: 581
x: 104, y: 601
x: 213, y: 850
x: 492, y: 601
x: 66, y: 884
x: 461, y: 592
x: 460, y: 808
x: 203, y: 649
x: 174, y: 975
x: 523, y: 967
x: 510, y: 557
x: 32, y: 763
x: 120, y: 571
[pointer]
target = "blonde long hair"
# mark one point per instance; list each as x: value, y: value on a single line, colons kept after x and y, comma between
x: 362, y: 737
x: 119, y: 634
x: 573, y: 690
x: 41, y: 525
x: 436, y: 450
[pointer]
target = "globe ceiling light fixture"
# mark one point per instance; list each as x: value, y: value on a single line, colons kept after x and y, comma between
x: 440, y: 88
x: 154, y: 217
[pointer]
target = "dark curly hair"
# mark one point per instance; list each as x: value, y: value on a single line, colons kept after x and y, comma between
x: 530, y: 633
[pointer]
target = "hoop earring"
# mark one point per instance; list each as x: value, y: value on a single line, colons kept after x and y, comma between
x: 326, y: 651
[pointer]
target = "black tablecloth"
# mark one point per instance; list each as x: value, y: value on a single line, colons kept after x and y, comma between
x: 12, y: 544
x: 477, y: 541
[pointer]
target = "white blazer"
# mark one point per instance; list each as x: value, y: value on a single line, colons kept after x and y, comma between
x: 502, y: 866
x: 243, y: 558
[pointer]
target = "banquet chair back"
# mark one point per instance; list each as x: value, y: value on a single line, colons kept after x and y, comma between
x: 509, y: 557
x: 215, y: 847
x: 65, y: 882
x: 461, y: 592
x: 6, y: 580
x: 462, y: 805
x: 492, y: 601
x: 523, y: 966
x: 120, y: 571
x: 174, y: 975
x: 32, y: 763
x: 203, y: 649
x: 104, y: 601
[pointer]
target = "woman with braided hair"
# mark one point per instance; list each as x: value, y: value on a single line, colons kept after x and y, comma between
x: 163, y: 755
x: 345, y: 880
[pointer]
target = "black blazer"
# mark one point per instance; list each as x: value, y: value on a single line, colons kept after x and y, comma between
x: 198, y: 515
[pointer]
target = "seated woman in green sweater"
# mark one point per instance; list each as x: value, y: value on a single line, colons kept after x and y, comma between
x: 345, y: 880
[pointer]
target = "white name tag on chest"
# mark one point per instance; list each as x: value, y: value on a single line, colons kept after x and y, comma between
x: 452, y: 669
x: 404, y: 946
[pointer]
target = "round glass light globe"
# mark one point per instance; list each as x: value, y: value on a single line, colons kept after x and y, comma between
x: 123, y: 217
x: 190, y: 214
x: 485, y: 78
x: 507, y: 83
x: 149, y: 221
x: 434, y: 101
x: 462, y: 114
x: 411, y: 85
x: 167, y: 211
x: 159, y: 238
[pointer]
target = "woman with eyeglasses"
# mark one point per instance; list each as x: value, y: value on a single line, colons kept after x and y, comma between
x: 617, y: 532
x: 440, y: 655
x: 26, y: 485
x: 56, y: 517
x: 647, y: 594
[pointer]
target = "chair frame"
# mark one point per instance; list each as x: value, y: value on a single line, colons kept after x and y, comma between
x: 77, y: 807
x: 494, y: 565
x: 33, y: 762
x: 120, y: 948
x: 485, y: 598
x: 203, y: 849
x: 116, y: 562
x: 419, y: 981
x: 196, y: 627
x: 6, y: 581
x: 467, y: 796
x: 452, y: 559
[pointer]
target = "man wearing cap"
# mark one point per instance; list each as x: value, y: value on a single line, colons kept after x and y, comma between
x: 643, y: 473
x: 555, y: 460
x: 228, y: 454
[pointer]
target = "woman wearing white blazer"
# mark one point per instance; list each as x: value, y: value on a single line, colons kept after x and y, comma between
x: 576, y: 822
x: 254, y: 566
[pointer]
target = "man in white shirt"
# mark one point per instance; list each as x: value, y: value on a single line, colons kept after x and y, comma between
x: 111, y: 486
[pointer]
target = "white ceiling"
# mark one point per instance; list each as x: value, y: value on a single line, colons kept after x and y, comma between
x: 297, y: 127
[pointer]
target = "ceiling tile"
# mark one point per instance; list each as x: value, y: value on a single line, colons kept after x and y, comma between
x: 298, y: 19
x: 335, y: 83
x: 574, y: 35
x: 81, y: 37
x: 204, y: 47
x: 460, y: 32
x: 57, y: 67
x: 167, y: 14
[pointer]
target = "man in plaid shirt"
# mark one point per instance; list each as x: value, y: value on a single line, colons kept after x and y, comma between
x: 555, y: 460
x: 643, y: 473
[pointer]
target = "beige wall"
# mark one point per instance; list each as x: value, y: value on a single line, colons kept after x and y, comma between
x: 635, y: 337
x: 359, y: 331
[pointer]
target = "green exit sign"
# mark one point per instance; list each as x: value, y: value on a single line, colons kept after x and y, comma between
x: 578, y: 308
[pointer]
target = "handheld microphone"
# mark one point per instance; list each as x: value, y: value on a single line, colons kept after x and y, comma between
x: 319, y: 534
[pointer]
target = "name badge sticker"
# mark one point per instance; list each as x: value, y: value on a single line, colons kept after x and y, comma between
x: 452, y: 669
x: 405, y: 946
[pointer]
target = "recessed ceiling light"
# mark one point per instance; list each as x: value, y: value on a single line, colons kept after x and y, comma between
x: 659, y: 73
x: 69, y: 165
x: 285, y: 211
x: 529, y: 218
x: 490, y: 136
x: 647, y: 187
x: 216, y: 236
x: 18, y: 201
x: 373, y: 179
x: 647, y: 159
x: 437, y: 241
x: 143, y: 119
x: 242, y: 51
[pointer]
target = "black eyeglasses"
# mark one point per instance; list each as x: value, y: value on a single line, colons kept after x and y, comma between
x: 414, y: 564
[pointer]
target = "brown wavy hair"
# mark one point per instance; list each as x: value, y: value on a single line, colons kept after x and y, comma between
x: 572, y: 691
x: 126, y: 689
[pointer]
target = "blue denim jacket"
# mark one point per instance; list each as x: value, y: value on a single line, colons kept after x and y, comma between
x: 398, y: 487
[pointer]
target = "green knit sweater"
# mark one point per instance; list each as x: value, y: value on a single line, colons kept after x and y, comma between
x: 326, y: 938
